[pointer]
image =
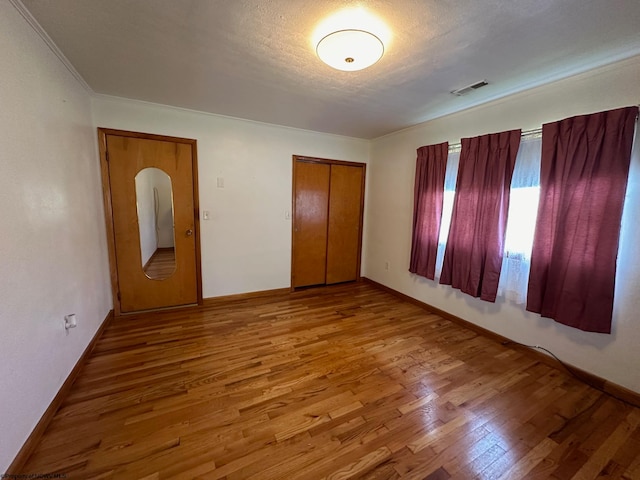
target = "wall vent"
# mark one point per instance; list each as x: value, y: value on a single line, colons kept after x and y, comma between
x: 469, y: 88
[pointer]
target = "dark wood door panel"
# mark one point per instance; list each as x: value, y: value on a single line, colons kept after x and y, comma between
x: 311, y: 203
x: 345, y: 212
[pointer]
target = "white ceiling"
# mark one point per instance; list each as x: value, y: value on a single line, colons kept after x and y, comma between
x: 254, y: 59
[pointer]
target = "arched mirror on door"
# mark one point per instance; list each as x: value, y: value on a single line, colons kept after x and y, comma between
x: 154, y: 204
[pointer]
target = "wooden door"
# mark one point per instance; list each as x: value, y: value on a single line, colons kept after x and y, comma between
x: 126, y: 155
x: 310, y: 207
x: 328, y: 201
x: 345, y: 223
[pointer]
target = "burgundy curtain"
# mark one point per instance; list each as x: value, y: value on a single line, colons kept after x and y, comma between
x: 427, y: 208
x: 473, y: 257
x: 583, y: 178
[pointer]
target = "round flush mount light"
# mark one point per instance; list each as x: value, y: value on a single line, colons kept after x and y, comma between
x: 350, y: 50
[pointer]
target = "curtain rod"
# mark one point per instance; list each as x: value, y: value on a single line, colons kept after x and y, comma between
x: 455, y: 147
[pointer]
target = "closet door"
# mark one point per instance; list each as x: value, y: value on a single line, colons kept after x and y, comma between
x: 345, y: 223
x: 311, y: 202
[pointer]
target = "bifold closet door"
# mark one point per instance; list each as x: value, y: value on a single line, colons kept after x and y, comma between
x: 345, y: 213
x: 327, y: 221
x: 311, y: 196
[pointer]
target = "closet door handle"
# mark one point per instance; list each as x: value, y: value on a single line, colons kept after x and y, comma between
x: 189, y: 232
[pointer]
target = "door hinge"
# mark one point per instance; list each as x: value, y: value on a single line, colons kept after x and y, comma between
x: 118, y: 295
x: 106, y: 155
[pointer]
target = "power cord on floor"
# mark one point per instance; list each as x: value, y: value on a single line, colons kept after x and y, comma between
x: 569, y: 369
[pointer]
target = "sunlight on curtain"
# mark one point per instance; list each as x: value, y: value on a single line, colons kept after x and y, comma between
x: 523, y: 211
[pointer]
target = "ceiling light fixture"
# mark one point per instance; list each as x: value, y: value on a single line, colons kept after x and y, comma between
x: 350, y: 50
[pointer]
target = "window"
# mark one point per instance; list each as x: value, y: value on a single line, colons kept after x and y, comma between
x: 447, y: 206
x: 521, y: 223
x: 523, y: 210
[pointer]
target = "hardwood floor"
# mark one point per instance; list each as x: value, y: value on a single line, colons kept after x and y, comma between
x: 339, y: 382
x: 162, y: 263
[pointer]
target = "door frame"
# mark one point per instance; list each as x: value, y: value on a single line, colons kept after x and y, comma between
x: 108, y: 209
x: 325, y: 161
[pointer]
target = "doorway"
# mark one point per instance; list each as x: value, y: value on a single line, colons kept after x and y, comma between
x: 151, y: 208
x: 328, y: 204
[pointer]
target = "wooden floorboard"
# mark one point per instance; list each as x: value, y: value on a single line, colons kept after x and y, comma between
x: 339, y: 382
x: 162, y: 264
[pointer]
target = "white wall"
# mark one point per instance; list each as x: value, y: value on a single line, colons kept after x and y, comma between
x: 146, y: 214
x: 52, y: 245
x: 246, y: 244
x: 391, y: 175
x: 162, y: 183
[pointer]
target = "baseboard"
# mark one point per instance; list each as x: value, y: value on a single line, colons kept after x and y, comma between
x: 245, y: 296
x: 599, y: 383
x: 17, y: 466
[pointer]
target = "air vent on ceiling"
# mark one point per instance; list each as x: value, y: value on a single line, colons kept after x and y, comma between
x: 469, y: 88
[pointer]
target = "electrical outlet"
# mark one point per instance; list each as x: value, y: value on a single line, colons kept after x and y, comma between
x: 386, y: 265
x: 70, y: 321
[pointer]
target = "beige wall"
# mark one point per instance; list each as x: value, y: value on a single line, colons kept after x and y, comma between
x: 53, y: 244
x: 390, y: 209
x: 246, y: 244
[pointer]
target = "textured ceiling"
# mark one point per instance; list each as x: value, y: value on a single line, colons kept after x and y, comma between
x: 254, y: 59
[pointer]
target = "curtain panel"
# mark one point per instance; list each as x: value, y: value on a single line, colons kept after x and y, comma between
x: 431, y: 165
x: 473, y: 255
x: 584, y: 170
